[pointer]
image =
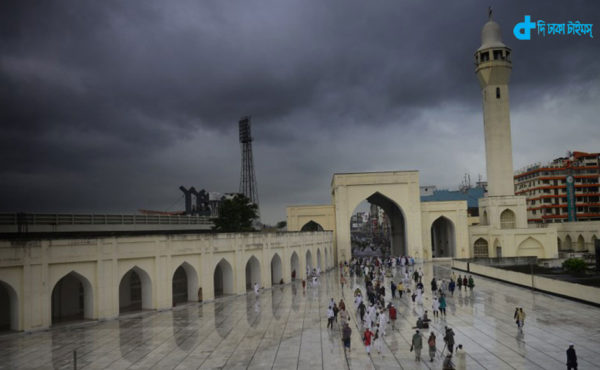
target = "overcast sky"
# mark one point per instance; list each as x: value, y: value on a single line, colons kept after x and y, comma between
x: 110, y: 106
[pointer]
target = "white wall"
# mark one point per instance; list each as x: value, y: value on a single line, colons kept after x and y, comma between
x: 33, y: 268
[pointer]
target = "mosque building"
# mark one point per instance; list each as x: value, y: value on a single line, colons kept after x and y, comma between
x: 436, y: 229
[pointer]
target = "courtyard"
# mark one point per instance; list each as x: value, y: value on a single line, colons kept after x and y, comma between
x: 285, y: 328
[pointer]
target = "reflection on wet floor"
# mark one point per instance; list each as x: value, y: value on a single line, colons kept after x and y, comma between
x: 285, y: 327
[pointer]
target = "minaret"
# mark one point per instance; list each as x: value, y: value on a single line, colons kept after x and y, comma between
x: 493, y: 67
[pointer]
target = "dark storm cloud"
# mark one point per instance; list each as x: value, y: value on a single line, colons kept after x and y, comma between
x: 94, y: 96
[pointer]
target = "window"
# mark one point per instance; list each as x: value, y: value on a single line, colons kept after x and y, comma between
x: 485, y: 56
x: 497, y: 93
x: 480, y: 249
x: 507, y: 219
x: 498, y: 54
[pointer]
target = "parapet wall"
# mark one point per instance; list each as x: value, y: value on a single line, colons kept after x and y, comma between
x: 562, y: 288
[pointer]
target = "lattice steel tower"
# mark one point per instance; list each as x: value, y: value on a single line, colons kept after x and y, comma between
x: 247, y: 179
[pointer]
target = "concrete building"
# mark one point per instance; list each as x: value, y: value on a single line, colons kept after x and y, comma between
x: 545, y: 187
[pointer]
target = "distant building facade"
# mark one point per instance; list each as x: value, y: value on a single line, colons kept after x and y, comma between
x: 546, y: 187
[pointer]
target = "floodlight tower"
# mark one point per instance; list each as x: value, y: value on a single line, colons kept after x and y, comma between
x: 247, y: 179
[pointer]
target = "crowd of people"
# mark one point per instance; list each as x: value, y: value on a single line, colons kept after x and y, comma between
x: 376, y: 311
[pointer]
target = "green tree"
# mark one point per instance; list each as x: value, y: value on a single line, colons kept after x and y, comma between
x: 236, y: 215
x: 574, y: 265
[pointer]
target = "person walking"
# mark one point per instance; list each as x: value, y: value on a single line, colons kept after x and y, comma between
x: 451, y: 287
x: 256, y: 289
x: 449, y: 339
x: 344, y: 317
x: 435, y: 306
x: 346, y: 335
x: 361, y: 312
x: 367, y: 337
x: 465, y: 282
x: 400, y: 288
x: 330, y: 316
x: 431, y: 344
x: 461, y: 358
x: 520, y: 318
x: 433, y: 285
x: 393, y: 316
x: 571, y: 357
x: 393, y: 289
x: 417, y: 344
x: 459, y: 282
x: 378, y: 339
x: 471, y: 282
x: 443, y: 305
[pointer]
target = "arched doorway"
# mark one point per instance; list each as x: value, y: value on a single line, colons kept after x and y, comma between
x: 530, y: 247
x: 480, y: 248
x: 319, y: 260
x: 276, y: 275
x: 295, y: 265
x: 252, y: 273
x: 311, y: 226
x: 72, y: 299
x: 443, y: 240
x: 9, y: 308
x: 309, y: 264
x: 507, y: 219
x: 568, y: 243
x: 580, y: 244
x: 135, y: 291
x: 593, y: 248
x: 223, y: 279
x: 484, y: 218
x: 378, y: 228
x: 559, y: 243
x: 326, y: 260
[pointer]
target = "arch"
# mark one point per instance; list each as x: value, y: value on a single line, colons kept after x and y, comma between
x: 319, y: 259
x: 507, y: 219
x: 396, y: 221
x: 559, y: 243
x: 276, y: 275
x: 184, y: 284
x: 497, y: 248
x: 580, y: 243
x: 9, y: 307
x: 568, y: 243
x: 530, y: 247
x: 72, y: 298
x: 593, y: 247
x: 252, y: 273
x: 480, y: 248
x: 309, y: 264
x: 295, y: 265
x: 484, y: 218
x: 443, y: 239
x: 326, y: 259
x: 223, y: 279
x: 312, y: 226
x: 135, y: 291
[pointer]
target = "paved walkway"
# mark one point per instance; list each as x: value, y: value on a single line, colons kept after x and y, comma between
x: 286, y: 329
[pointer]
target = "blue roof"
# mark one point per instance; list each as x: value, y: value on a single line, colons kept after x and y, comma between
x: 472, y: 196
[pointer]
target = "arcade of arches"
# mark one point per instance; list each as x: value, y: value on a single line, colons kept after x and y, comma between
x: 147, y: 273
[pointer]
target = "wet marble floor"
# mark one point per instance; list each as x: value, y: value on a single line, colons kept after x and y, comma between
x: 286, y: 328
